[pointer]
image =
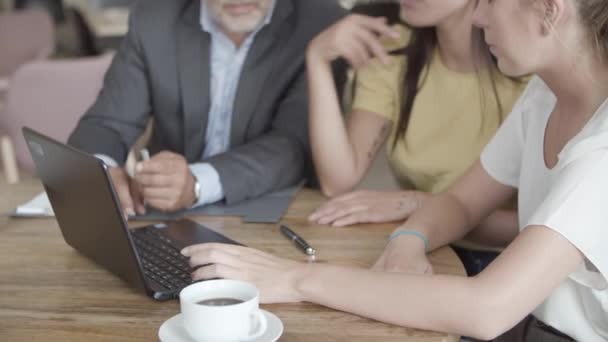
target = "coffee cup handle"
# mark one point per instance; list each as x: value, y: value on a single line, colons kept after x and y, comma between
x: 262, y: 324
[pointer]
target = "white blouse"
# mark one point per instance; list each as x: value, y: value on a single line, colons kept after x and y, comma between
x: 571, y: 198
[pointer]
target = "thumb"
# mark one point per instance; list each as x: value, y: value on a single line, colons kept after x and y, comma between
x: 120, y: 181
x: 137, y: 198
x: 126, y: 202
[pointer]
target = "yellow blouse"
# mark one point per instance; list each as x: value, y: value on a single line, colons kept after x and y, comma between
x: 452, y: 119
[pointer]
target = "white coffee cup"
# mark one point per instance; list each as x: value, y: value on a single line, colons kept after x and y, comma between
x: 237, y: 322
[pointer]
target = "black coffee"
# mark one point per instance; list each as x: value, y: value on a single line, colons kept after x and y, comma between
x: 220, y: 301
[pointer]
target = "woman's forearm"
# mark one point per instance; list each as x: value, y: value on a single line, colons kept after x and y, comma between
x: 451, y: 215
x: 499, y: 229
x: 416, y: 301
x: 442, y: 219
x: 332, y: 150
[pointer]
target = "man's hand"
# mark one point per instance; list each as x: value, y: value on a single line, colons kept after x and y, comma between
x: 128, y: 192
x: 166, y: 182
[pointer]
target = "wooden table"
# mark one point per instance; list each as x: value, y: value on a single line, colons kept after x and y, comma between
x: 48, y: 292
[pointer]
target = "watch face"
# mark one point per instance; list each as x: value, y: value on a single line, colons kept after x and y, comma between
x: 197, y: 189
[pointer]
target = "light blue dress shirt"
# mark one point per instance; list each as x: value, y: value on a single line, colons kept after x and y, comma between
x: 226, y: 65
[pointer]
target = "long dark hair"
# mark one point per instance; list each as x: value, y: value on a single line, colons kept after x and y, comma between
x: 419, y: 53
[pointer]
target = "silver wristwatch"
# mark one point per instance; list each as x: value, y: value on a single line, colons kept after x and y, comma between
x: 197, y: 189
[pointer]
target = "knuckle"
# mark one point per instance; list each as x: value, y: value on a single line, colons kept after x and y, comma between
x: 217, y: 269
x: 212, y: 254
x: 195, y: 260
x: 202, y: 273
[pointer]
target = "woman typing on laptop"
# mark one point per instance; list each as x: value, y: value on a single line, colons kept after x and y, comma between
x: 550, y: 283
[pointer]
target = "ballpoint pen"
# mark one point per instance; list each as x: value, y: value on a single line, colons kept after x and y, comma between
x: 297, y: 239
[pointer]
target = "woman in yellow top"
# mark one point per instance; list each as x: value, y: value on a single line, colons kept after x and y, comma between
x: 436, y: 100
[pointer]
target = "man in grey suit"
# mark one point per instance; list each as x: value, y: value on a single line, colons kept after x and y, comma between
x: 225, y: 82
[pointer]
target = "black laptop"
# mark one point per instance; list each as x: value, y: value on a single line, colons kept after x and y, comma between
x: 91, y: 221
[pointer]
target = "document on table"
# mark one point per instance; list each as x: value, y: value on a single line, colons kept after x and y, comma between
x: 39, y: 206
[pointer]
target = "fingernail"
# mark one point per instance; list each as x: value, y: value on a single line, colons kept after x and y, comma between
x: 130, y: 212
x: 184, y: 251
x: 138, y: 167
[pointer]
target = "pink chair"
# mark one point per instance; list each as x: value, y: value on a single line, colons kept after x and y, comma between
x: 50, y: 96
x: 25, y: 36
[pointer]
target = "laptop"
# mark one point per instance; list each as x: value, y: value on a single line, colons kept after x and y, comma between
x: 91, y: 220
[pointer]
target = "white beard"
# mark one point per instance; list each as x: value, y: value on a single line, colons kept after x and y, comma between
x: 239, y: 24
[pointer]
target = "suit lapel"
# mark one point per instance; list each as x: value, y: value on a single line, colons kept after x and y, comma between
x: 258, y: 67
x: 193, y: 56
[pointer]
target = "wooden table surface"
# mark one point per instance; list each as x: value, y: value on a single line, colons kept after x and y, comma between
x: 49, y: 292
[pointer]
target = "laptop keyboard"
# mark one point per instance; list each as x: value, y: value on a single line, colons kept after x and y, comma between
x: 161, y: 260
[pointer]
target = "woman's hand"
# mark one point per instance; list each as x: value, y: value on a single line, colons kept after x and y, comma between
x: 274, y: 277
x: 355, y: 38
x: 404, y: 254
x: 368, y: 207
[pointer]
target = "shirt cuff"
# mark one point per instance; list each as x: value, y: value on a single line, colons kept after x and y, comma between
x: 209, y: 180
x: 107, y: 159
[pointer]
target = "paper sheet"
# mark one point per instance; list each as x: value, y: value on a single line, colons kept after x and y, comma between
x: 39, y: 206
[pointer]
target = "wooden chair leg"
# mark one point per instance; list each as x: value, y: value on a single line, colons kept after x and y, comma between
x: 9, y: 160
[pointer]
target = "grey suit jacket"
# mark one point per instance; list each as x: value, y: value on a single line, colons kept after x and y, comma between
x: 162, y: 71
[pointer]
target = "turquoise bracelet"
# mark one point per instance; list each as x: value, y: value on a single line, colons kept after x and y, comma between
x: 413, y: 233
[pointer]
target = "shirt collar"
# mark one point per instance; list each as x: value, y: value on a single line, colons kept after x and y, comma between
x: 208, y: 23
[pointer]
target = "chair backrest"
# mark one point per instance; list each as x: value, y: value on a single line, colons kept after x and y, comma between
x: 51, y: 96
x: 54, y: 8
x: 25, y: 36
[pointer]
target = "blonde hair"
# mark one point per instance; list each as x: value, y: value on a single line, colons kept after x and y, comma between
x: 594, y: 16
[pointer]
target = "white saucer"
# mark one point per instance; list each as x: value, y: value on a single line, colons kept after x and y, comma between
x: 173, y: 331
